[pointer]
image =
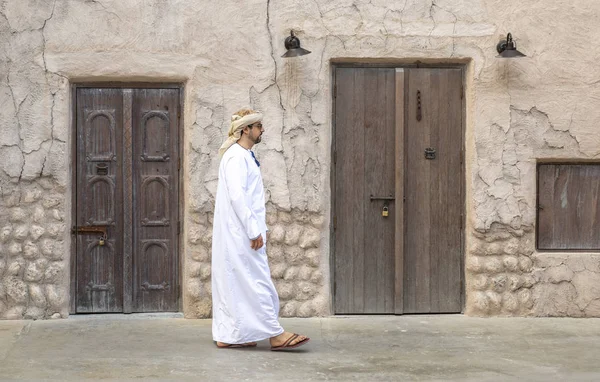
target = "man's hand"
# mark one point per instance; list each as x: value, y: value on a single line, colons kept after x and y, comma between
x: 257, y: 243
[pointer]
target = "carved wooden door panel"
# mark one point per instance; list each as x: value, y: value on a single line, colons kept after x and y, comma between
x: 155, y: 191
x: 99, y: 270
x: 127, y: 182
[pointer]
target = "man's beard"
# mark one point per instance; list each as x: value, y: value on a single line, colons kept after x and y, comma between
x: 258, y: 139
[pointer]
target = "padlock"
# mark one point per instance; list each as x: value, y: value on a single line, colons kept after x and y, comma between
x: 386, y: 211
x: 101, y: 240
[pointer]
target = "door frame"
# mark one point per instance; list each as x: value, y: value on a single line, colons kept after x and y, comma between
x: 399, y: 207
x: 73, y: 166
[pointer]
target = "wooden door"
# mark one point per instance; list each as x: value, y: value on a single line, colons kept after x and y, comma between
x: 127, y: 182
x: 433, y: 190
x: 99, y: 186
x: 155, y: 189
x: 410, y: 260
x: 365, y: 184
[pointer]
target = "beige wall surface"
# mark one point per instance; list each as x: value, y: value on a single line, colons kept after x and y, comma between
x: 227, y: 55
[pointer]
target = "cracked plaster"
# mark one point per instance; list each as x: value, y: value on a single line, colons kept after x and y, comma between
x: 228, y: 55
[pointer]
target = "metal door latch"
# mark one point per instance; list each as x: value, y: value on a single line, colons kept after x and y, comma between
x: 429, y: 153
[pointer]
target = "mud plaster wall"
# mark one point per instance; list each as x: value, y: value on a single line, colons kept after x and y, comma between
x: 228, y: 56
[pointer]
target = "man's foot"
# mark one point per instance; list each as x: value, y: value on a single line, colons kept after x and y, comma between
x: 223, y: 345
x: 288, y: 340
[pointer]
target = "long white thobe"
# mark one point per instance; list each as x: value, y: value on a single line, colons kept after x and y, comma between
x: 245, y: 302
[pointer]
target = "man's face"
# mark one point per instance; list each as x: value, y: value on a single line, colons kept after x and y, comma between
x: 255, y: 132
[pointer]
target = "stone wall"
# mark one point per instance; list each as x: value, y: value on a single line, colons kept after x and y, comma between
x: 294, y: 256
x: 34, y: 265
x: 227, y: 54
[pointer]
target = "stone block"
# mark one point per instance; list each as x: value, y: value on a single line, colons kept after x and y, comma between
x: 51, y: 202
x: 306, y: 309
x: 36, y: 296
x: 294, y: 255
x: 56, y: 297
x: 39, y: 215
x: 499, y: 282
x: 5, y: 234
x: 18, y: 215
x: 56, y: 229
x: 514, y: 282
x: 277, y: 270
x: 200, y: 254
x: 305, y: 291
x: 53, y: 273
x: 511, y: 263
x: 205, y: 272
x: 493, y: 265
x: 15, y: 267
x: 275, y: 253
x: 292, y: 234
x: 194, y: 290
x: 310, y: 238
x: 494, y: 299
x: 305, y: 272
x: 277, y: 234
x: 289, y: 309
x: 36, y: 232
x: 317, y: 277
x: 291, y: 273
x: 35, y: 270
x: 15, y: 249
x: 285, y: 290
x: 313, y: 257
x: 480, y: 282
x: 21, y: 232
x: 31, y: 251
x: 16, y: 290
x: 510, y: 302
x: 525, y: 264
x: 193, y: 268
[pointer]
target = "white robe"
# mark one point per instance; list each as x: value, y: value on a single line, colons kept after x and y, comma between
x: 245, y: 302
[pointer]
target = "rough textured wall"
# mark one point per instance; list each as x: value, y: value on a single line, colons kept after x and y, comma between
x: 228, y: 55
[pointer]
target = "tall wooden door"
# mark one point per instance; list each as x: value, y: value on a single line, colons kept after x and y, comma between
x: 127, y: 191
x: 398, y: 190
x: 365, y: 185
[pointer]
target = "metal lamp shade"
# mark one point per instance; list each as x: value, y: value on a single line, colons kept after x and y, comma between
x: 292, y: 44
x: 508, y: 48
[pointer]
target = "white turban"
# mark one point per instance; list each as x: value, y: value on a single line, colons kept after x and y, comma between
x: 235, y: 131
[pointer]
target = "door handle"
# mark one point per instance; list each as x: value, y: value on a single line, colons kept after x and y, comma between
x: 382, y: 198
x: 88, y: 230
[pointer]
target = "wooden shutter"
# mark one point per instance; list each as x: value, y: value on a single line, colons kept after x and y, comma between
x: 568, y: 206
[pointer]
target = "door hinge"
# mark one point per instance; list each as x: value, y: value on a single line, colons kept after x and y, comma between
x: 178, y: 227
x: 460, y: 224
x: 335, y: 91
x: 178, y: 164
x: 334, y: 223
x: 334, y: 157
x: 178, y: 111
x: 461, y: 157
x: 462, y: 91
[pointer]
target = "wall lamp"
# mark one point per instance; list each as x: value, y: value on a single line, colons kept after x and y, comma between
x: 292, y: 44
x: 508, y: 48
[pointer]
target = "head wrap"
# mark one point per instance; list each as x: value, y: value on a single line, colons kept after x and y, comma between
x: 235, y: 130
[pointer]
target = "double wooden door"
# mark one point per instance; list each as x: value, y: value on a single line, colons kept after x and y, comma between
x: 398, y: 190
x: 127, y: 187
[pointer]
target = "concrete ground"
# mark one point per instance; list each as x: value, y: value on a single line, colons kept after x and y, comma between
x: 365, y: 348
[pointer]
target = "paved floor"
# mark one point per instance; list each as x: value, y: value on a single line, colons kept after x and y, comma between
x: 367, y: 348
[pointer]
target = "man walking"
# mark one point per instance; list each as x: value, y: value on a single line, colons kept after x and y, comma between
x: 245, y: 302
